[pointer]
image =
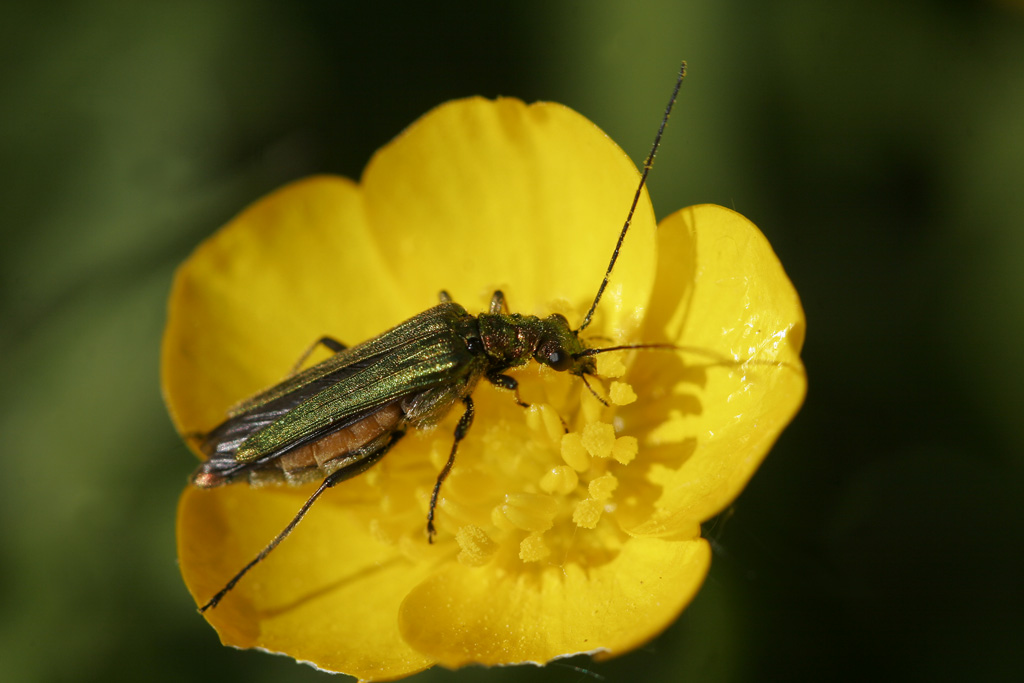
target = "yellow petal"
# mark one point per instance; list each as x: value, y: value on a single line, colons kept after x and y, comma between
x: 744, y: 380
x: 480, y: 195
x: 296, y: 265
x: 328, y: 595
x: 467, y: 615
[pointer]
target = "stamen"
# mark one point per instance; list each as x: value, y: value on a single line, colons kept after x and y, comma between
x: 477, y: 548
x: 500, y: 521
x: 587, y: 513
x: 574, y: 453
x: 530, y: 511
x: 603, y: 487
x: 561, y: 480
x: 534, y: 548
x: 598, y: 438
x: 621, y: 394
x: 610, y: 365
x: 542, y: 417
x: 625, y: 449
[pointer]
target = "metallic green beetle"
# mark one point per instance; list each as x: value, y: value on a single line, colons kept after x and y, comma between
x: 336, y: 419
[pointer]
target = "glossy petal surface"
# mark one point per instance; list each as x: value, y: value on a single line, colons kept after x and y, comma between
x: 499, y: 617
x: 742, y: 381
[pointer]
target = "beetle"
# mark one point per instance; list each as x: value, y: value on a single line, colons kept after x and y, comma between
x: 334, y: 420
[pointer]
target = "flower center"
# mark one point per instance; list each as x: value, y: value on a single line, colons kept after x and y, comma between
x: 530, y: 486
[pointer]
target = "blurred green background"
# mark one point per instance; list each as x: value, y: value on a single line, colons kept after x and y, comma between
x: 878, y: 144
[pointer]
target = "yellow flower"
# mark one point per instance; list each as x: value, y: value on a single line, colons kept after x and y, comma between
x: 549, y: 543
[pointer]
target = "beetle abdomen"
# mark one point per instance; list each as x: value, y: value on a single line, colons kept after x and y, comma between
x: 306, y: 462
x: 324, y: 456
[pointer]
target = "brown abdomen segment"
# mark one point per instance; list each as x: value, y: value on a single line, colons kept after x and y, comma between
x: 320, y: 458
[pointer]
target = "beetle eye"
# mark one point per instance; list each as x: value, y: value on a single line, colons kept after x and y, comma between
x: 559, y: 360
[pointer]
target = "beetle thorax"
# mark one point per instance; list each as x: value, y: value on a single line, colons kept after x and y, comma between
x: 512, y: 339
x: 509, y: 339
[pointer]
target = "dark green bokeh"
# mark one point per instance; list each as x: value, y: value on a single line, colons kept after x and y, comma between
x: 879, y: 145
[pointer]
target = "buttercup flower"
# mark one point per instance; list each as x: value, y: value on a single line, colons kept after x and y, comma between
x: 565, y: 527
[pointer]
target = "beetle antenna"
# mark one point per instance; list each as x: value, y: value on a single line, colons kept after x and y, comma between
x: 716, y: 359
x: 626, y: 347
x: 648, y: 164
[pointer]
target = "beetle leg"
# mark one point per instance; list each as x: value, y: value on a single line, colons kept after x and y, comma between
x: 330, y: 342
x: 507, y: 382
x: 444, y: 296
x: 346, y: 472
x: 498, y: 303
x: 460, y: 432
